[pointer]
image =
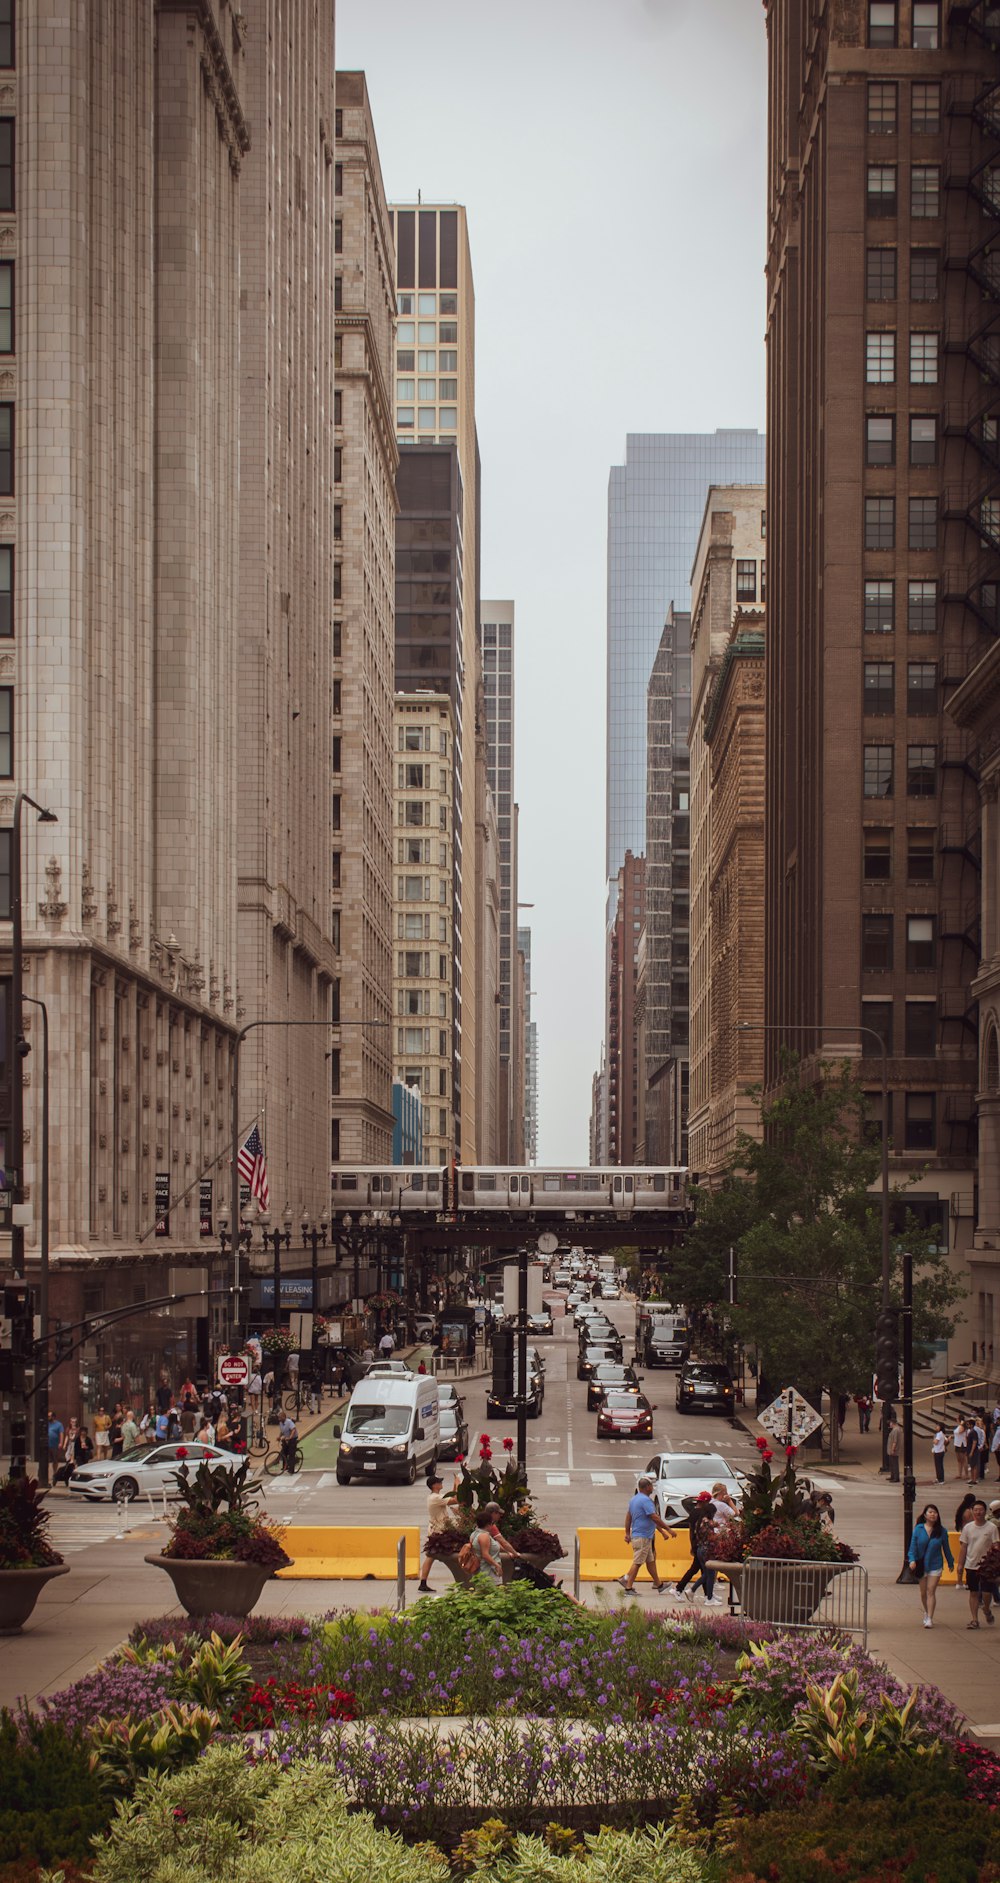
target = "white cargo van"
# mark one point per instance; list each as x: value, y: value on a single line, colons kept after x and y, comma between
x: 391, y: 1428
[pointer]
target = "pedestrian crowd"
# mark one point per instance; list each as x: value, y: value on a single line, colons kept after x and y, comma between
x: 974, y: 1440
x: 206, y: 1415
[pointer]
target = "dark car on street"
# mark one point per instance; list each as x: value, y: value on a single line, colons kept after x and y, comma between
x: 705, y: 1386
x: 609, y: 1376
x: 453, y: 1431
x: 596, y: 1356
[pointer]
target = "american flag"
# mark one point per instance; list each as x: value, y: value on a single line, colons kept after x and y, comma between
x: 253, y: 1169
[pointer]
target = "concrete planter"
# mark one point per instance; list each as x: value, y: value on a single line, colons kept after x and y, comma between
x: 20, y: 1590
x: 214, y: 1588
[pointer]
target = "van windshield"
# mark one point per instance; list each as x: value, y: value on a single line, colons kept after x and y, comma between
x: 391, y: 1420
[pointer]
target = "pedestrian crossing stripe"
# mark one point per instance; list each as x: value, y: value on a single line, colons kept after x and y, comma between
x: 557, y: 1477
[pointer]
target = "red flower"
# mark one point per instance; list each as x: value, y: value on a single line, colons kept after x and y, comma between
x: 762, y: 1443
x: 182, y: 1451
x: 508, y: 1444
x: 767, y: 1456
x: 460, y: 1457
x: 790, y: 1451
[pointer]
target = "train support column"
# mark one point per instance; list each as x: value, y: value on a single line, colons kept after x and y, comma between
x: 522, y: 1360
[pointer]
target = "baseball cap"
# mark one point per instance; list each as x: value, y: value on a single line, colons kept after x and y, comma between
x: 994, y: 1507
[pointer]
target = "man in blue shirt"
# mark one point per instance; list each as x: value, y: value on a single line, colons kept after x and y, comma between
x: 641, y: 1525
x: 55, y: 1441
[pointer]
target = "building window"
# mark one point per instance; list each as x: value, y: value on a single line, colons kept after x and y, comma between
x: 925, y: 110
x: 918, y: 1133
x: 880, y: 358
x: 925, y: 274
x: 927, y: 24
x: 746, y: 580
x: 448, y: 360
x: 874, y: 1122
x: 338, y: 464
x: 880, y: 274
x: 876, y: 1015
x: 338, y: 294
x: 338, y: 235
x: 879, y: 690
x: 879, y: 607
x: 6, y: 589
x: 448, y: 417
x: 921, y: 687
x: 406, y: 361
x: 881, y: 189
x: 338, y: 408
x: 919, y: 943
x: 337, y: 691
x: 338, y: 179
x: 448, y: 389
x: 404, y: 389
x: 878, y: 771
x: 876, y: 942
x: 335, y: 811
x: 921, y: 771
x: 404, y: 418
x: 923, y: 359
x: 6, y: 450
x: 335, y: 869
x: 880, y: 438
x: 923, y: 522
x: 880, y: 522
x: 921, y: 1029
x: 6, y: 163
x: 6, y: 307
x: 881, y: 22
x: 925, y: 191
x: 923, y: 438
x: 920, y: 855
x: 337, y: 581
x: 921, y: 607
x: 6, y: 732
x: 881, y: 109
x: 449, y: 333
x: 335, y: 758
x: 336, y: 639
x: 877, y: 856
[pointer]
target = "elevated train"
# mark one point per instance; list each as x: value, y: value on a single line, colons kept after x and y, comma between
x: 472, y: 1188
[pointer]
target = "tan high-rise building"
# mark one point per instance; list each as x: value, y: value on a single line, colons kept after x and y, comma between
x: 488, y: 951
x: 165, y: 689
x: 883, y: 563
x: 435, y: 403
x: 728, y: 576
x: 364, y: 517
x: 425, y: 1047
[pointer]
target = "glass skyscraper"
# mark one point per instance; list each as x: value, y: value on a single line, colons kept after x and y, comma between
x: 656, y: 501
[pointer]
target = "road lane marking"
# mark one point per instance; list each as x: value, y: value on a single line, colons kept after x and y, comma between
x: 603, y: 1477
x: 554, y: 1478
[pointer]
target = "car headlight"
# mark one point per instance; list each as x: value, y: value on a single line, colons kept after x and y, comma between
x: 345, y: 1445
x: 398, y: 1451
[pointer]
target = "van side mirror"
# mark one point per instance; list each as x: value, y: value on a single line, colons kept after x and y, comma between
x: 420, y: 1433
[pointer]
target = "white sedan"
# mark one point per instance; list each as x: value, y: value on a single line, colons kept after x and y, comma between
x: 122, y: 1479
x: 680, y: 1474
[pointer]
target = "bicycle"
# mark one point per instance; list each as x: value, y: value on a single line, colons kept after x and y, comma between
x: 257, y: 1439
x: 274, y: 1463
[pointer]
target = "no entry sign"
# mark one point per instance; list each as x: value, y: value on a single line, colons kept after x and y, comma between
x: 234, y: 1369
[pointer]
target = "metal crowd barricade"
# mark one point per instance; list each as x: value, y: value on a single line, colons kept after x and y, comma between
x: 805, y: 1598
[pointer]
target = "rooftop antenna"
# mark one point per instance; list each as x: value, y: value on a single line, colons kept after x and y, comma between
x: 420, y: 196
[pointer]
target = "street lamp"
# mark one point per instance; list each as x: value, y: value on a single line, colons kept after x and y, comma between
x: 42, y: 1389
x: 21, y: 1047
x: 314, y: 1236
x: 273, y: 1239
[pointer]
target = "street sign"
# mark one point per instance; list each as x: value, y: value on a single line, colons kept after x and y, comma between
x: 300, y: 1326
x: 547, y: 1243
x: 790, y: 1414
x: 234, y: 1369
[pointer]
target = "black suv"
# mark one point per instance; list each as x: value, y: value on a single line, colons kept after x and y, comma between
x: 705, y: 1386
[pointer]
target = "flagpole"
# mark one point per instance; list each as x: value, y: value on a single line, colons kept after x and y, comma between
x: 251, y: 1027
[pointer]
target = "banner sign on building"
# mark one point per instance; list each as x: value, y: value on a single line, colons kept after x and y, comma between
x: 296, y: 1292
x: 163, y: 1202
x: 205, y: 1206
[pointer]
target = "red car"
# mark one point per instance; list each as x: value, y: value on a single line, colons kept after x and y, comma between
x: 625, y: 1415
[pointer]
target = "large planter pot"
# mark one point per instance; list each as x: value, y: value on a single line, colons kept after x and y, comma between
x: 20, y: 1590
x: 214, y: 1588
x: 461, y: 1575
x: 537, y: 1558
x: 788, y: 1598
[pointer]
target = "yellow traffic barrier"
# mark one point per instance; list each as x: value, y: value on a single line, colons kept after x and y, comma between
x: 605, y: 1555
x: 348, y: 1552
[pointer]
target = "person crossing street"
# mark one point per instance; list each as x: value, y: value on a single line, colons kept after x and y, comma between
x: 641, y: 1525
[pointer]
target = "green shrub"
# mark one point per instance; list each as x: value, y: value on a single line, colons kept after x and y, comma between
x: 225, y: 1821
x: 651, y: 1856
x: 929, y: 1839
x: 50, y: 1806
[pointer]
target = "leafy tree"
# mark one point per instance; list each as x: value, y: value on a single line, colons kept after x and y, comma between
x: 799, y: 1211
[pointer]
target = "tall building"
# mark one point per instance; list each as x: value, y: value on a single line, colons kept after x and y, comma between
x: 530, y: 1053
x: 284, y: 829
x: 623, y: 1066
x: 487, y: 949
x: 165, y: 574
x: 426, y: 1041
x: 497, y: 643
x: 435, y: 402
x: 666, y: 966
x: 883, y: 554
x: 728, y: 577
x: 364, y: 516
x: 598, y: 1136
x: 655, y: 505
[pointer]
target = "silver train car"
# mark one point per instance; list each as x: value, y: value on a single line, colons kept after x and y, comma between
x: 579, y: 1193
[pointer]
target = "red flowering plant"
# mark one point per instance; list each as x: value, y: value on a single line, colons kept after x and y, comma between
x: 486, y: 1485
x: 217, y: 1519
x: 776, y: 1520
x: 270, y: 1702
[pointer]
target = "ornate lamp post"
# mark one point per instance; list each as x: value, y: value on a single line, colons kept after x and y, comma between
x: 314, y: 1237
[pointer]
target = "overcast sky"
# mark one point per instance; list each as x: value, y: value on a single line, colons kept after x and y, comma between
x: 611, y: 156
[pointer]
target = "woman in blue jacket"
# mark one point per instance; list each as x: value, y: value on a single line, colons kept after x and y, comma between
x: 928, y: 1552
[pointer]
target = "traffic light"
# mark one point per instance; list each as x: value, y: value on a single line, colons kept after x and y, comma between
x: 17, y: 1311
x: 887, y: 1354
x: 503, y: 1362
x: 64, y: 1343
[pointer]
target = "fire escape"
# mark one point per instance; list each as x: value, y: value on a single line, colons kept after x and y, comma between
x: 971, y: 515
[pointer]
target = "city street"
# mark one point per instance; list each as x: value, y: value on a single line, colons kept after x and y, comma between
x: 575, y: 1479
